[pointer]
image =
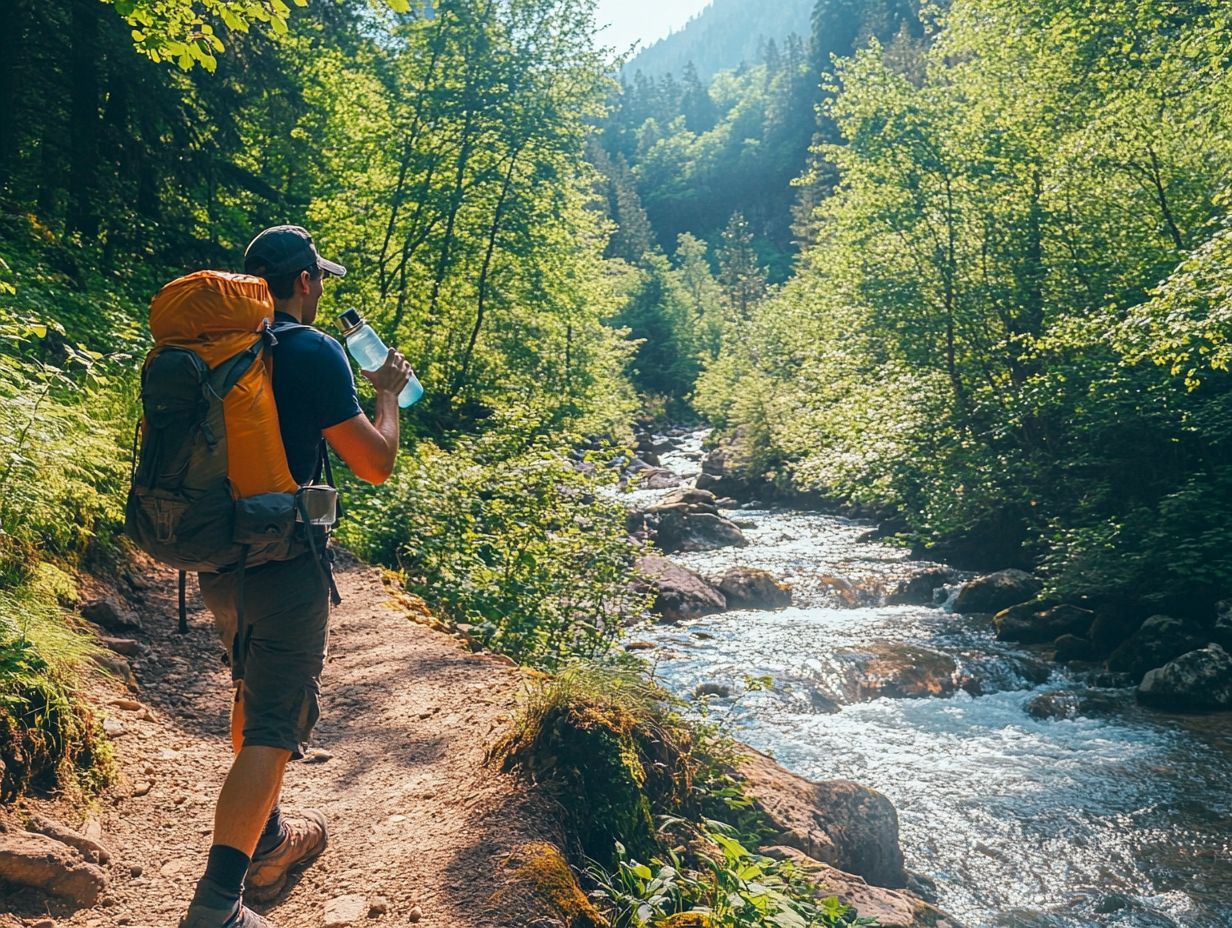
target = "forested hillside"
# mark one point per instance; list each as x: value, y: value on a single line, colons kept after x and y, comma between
x: 724, y: 35
x: 1008, y: 323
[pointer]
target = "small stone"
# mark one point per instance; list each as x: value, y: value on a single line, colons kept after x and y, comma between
x: 639, y: 645
x: 142, y: 788
x: 378, y: 908
x: 415, y: 914
x: 44, y: 923
x: 173, y: 867
x: 128, y: 705
x: 317, y: 756
x: 135, y: 870
x: 396, y: 819
x: 344, y: 911
x: 126, y: 646
x: 711, y: 689
x: 110, y: 615
x: 113, y: 728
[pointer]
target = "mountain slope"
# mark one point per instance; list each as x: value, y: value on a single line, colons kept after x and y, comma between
x: 724, y: 34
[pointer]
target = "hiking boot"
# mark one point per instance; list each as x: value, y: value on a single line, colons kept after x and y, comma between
x: 304, y: 840
x: 239, y: 916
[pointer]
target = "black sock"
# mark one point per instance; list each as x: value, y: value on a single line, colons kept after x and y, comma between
x: 223, y: 882
x: 273, y: 834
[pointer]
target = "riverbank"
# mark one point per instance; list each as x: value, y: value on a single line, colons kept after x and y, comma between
x: 1102, y: 813
x: 424, y: 829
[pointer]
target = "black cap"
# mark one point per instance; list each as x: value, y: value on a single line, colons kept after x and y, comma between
x: 282, y: 250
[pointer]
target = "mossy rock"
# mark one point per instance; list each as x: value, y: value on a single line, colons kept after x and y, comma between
x: 596, y: 766
x: 539, y: 878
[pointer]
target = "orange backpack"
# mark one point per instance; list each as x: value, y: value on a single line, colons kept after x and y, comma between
x: 211, y: 488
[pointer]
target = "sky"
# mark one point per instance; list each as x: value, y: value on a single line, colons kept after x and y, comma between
x: 643, y: 20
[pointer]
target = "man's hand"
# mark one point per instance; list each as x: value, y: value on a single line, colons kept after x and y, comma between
x: 391, y: 376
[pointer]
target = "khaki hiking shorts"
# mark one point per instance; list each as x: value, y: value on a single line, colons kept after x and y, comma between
x: 277, y: 664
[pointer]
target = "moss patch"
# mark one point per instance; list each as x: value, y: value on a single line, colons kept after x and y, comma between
x: 602, y: 741
x: 539, y: 876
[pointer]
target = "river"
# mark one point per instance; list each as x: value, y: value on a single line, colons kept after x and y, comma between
x: 1120, y: 821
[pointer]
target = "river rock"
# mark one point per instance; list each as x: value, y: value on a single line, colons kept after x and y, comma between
x: 658, y: 478
x: 1063, y: 704
x: 109, y: 614
x: 837, y: 822
x: 680, y: 593
x: 723, y: 472
x: 750, y: 588
x: 1040, y: 621
x: 890, y: 908
x: 1201, y: 679
x: 1073, y: 648
x: 997, y: 591
x: 28, y: 859
x: 682, y: 530
x: 1113, y: 624
x: 899, y: 671
x: 1221, y: 631
x: 918, y: 590
x: 1160, y: 639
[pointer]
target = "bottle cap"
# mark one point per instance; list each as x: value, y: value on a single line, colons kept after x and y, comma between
x: 349, y: 321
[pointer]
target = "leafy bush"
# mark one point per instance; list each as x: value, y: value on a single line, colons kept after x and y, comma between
x: 518, y: 544
x: 725, y: 886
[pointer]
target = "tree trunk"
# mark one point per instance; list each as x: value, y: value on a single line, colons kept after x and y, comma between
x: 83, y: 118
x: 10, y: 45
x: 459, y: 379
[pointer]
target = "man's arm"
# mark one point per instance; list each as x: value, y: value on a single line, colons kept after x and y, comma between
x: 370, y: 449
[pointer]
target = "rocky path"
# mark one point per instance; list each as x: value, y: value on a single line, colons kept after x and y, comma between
x: 420, y: 827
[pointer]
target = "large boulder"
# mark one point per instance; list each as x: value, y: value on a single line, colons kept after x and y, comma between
x: 681, y: 531
x: 680, y: 594
x: 898, y: 671
x: 1200, y: 679
x: 1221, y: 631
x: 918, y: 590
x: 1160, y: 639
x: 890, y: 908
x: 1039, y: 621
x: 750, y: 588
x: 724, y: 473
x: 1073, y: 648
x: 1113, y: 624
x: 837, y: 822
x: 688, y: 520
x: 997, y: 591
x: 1063, y: 704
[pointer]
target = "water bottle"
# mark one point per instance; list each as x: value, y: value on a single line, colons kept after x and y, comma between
x: 367, y: 348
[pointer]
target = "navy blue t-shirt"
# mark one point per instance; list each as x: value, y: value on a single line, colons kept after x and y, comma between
x: 314, y: 390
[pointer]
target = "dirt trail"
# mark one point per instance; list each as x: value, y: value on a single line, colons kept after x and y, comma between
x: 416, y: 819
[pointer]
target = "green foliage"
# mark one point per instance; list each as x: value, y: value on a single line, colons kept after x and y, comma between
x: 523, y: 546
x: 721, y: 884
x: 48, y: 738
x: 180, y: 30
x: 978, y: 335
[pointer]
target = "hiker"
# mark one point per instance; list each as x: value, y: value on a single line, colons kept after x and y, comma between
x: 286, y: 603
